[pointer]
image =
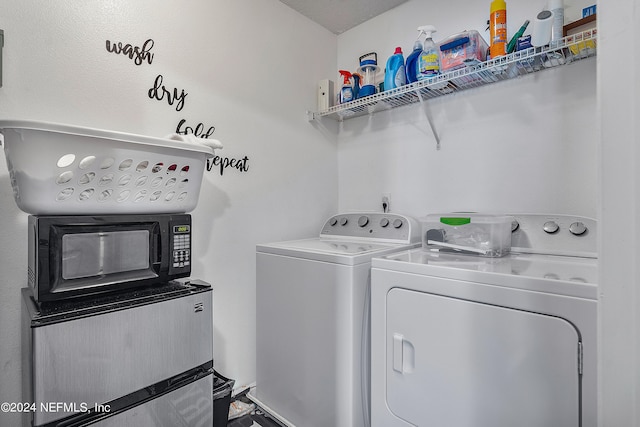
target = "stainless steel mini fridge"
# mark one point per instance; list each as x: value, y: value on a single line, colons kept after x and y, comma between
x: 139, y: 358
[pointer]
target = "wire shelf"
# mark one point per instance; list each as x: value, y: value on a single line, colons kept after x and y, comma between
x: 569, y: 49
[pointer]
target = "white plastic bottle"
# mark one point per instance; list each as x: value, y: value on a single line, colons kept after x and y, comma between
x: 428, y: 63
x: 557, y: 8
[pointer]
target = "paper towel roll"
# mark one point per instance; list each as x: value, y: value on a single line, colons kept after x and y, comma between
x: 557, y: 8
x: 541, y: 33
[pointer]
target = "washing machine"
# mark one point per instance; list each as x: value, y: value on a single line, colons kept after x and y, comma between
x: 312, y: 319
x: 467, y: 341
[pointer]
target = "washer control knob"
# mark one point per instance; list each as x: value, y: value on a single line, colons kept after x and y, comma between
x: 578, y: 228
x: 551, y: 227
x: 343, y: 221
x: 363, y: 221
x: 333, y: 221
x: 398, y: 223
x: 384, y: 222
x: 514, y: 225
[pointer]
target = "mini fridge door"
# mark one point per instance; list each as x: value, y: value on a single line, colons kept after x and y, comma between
x: 135, y: 346
x: 190, y: 405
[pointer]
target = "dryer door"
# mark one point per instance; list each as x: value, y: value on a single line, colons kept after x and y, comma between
x: 453, y: 362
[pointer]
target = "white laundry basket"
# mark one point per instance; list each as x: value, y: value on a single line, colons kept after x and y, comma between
x: 61, y: 170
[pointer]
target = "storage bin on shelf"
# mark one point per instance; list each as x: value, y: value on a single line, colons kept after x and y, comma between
x: 60, y: 170
x: 583, y: 45
x: 463, y: 49
x: 474, y: 234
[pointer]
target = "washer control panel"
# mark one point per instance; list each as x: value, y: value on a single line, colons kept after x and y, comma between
x: 554, y: 235
x: 373, y: 225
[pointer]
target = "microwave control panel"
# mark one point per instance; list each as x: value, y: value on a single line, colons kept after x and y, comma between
x: 181, y: 246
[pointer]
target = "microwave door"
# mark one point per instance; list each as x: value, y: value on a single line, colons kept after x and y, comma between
x: 76, y: 256
x: 104, y: 253
x: 126, y: 251
x: 95, y: 259
x: 82, y: 255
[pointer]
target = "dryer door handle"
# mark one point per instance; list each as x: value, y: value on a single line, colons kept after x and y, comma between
x: 403, y: 354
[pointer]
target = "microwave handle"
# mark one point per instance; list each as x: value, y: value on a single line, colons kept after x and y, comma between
x: 156, y: 251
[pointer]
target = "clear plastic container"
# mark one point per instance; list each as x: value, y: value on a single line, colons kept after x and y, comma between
x: 467, y: 48
x: 472, y: 234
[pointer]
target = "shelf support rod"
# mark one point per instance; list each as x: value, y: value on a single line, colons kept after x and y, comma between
x: 329, y: 129
x: 427, y: 113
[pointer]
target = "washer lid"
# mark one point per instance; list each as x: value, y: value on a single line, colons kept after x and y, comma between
x: 326, y: 246
x: 338, y: 247
x: 331, y: 250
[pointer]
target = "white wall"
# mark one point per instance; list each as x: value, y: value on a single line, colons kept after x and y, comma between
x: 579, y: 132
x: 619, y: 304
x: 55, y: 69
x: 244, y: 74
x: 524, y: 145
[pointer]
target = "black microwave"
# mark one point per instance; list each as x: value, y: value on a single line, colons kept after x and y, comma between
x: 75, y: 256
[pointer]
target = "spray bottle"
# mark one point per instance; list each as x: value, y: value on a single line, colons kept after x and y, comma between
x: 428, y: 64
x: 411, y: 68
x: 346, y: 92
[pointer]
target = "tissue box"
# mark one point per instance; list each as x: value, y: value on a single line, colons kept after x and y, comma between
x: 460, y: 50
x: 472, y: 234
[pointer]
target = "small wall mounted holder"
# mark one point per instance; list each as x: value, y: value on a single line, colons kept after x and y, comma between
x: 1, y: 46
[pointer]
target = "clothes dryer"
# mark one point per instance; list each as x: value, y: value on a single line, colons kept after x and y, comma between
x: 466, y: 341
x: 312, y: 308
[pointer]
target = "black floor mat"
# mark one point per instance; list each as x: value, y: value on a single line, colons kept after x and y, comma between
x: 258, y: 416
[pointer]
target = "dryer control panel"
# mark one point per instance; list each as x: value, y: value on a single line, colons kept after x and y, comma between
x: 554, y: 235
x: 374, y: 226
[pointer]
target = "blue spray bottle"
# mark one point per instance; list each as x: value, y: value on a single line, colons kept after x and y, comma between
x: 411, y: 68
